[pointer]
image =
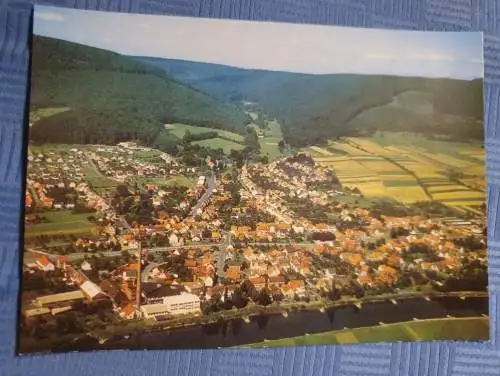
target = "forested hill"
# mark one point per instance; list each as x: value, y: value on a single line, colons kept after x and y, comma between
x: 113, y: 98
x: 312, y: 108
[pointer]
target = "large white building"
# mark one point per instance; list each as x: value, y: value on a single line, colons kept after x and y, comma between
x: 183, y: 303
x: 152, y: 311
x: 173, y: 305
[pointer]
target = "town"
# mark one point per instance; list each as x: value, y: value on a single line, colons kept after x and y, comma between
x: 128, y: 233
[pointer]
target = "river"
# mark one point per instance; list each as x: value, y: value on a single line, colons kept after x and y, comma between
x: 236, y: 332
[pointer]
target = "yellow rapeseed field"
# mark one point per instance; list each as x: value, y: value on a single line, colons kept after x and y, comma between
x: 320, y: 150
x: 373, y: 173
x: 466, y: 204
x: 447, y: 187
x: 458, y: 195
x: 348, y: 149
x: 406, y: 194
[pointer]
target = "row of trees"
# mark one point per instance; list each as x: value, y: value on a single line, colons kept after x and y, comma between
x: 240, y: 297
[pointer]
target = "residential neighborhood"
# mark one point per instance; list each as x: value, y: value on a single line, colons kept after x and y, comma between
x: 273, y: 234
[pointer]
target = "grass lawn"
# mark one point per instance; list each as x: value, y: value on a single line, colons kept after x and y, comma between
x: 61, y: 222
x: 179, y: 130
x: 98, y: 182
x: 473, y: 328
x: 216, y: 143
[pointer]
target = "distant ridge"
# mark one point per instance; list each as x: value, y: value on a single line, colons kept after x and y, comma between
x: 113, y: 98
x: 312, y: 108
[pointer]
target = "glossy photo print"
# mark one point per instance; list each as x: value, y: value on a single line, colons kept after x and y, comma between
x: 200, y: 183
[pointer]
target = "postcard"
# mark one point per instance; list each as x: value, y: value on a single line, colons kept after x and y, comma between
x: 200, y: 183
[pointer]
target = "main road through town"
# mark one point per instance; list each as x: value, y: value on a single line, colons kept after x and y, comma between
x: 81, y: 255
x: 223, y: 246
x: 204, y: 198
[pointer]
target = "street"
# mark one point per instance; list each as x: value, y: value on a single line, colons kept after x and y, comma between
x: 203, y: 199
x: 81, y: 255
x: 222, y: 254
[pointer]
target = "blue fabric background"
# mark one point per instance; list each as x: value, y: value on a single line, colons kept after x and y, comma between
x: 439, y: 358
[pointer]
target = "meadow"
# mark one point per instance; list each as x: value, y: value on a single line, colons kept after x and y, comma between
x: 179, y: 130
x: 269, y: 142
x: 99, y: 182
x: 40, y: 113
x: 219, y: 143
x: 179, y: 180
x: 443, y: 329
x: 61, y: 222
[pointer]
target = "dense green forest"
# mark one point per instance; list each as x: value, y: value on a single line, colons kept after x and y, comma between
x: 312, y: 108
x: 113, y: 98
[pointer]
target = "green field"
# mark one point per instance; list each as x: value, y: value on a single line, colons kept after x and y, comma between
x: 216, y: 143
x: 147, y: 156
x: 475, y: 328
x: 56, y: 148
x: 61, y: 222
x: 417, y: 140
x: 169, y: 182
x: 40, y: 113
x: 311, y: 152
x: 269, y: 144
x: 179, y: 130
x: 98, y: 181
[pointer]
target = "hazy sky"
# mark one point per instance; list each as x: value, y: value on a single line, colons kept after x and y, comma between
x: 272, y: 46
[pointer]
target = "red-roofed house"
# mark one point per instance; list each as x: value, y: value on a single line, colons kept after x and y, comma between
x: 128, y: 311
x: 45, y: 265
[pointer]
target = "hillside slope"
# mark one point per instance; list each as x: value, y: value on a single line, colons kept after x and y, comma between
x: 114, y: 98
x: 311, y: 108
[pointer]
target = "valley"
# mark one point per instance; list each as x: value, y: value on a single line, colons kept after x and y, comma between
x: 169, y: 196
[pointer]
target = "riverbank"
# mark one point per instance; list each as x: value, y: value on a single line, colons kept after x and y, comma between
x: 253, y: 310
x: 255, y: 324
x: 457, y: 329
x: 231, y: 332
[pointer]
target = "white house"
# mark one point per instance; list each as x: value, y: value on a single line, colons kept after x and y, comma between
x: 173, y: 240
x: 44, y: 264
x: 85, y: 266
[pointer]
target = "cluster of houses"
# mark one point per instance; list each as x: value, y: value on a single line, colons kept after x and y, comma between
x: 122, y: 162
x: 61, y: 169
x: 284, y: 179
x: 82, y: 289
x: 288, y: 255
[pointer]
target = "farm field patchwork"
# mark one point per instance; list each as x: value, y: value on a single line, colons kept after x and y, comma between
x: 320, y: 150
x: 406, y: 171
